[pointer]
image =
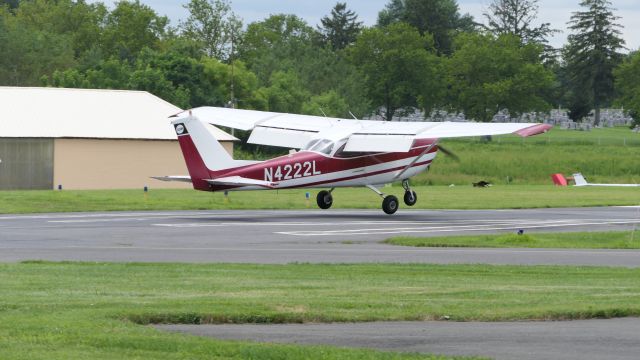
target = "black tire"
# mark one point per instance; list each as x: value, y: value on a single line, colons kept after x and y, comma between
x: 324, y: 199
x: 390, y: 204
x: 410, y: 198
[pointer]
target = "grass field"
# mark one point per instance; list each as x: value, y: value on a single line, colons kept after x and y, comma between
x: 429, y: 197
x: 577, y: 240
x: 517, y: 163
x: 93, y: 310
x: 617, y: 136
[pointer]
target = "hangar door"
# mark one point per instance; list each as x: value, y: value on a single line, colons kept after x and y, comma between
x: 26, y: 163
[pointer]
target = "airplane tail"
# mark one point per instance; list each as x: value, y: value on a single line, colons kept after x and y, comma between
x: 203, y: 153
x: 580, y: 180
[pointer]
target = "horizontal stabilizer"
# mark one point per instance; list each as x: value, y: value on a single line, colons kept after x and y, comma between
x: 239, y: 181
x: 173, y: 178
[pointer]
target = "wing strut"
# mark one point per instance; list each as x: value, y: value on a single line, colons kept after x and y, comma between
x: 426, y: 150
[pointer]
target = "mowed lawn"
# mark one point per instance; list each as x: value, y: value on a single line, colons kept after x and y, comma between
x: 429, y: 197
x: 99, y: 310
x: 571, y: 240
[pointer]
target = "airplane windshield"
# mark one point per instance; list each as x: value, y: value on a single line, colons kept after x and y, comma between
x: 310, y: 144
x: 321, y: 146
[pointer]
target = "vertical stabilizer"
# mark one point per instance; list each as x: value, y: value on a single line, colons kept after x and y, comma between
x: 580, y: 180
x: 202, y: 152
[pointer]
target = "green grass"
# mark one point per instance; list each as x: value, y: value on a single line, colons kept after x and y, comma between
x: 94, y: 310
x: 617, y: 136
x: 429, y: 197
x: 530, y: 163
x: 576, y: 240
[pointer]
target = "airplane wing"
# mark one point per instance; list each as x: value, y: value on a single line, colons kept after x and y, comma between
x: 295, y: 131
x: 239, y: 181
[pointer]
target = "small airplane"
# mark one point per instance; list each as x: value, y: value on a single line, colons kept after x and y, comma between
x: 581, y: 181
x: 331, y: 152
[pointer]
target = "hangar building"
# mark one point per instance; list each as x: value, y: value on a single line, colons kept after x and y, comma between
x: 88, y: 139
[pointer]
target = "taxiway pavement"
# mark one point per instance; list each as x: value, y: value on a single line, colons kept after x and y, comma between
x: 333, y: 236
x: 574, y: 340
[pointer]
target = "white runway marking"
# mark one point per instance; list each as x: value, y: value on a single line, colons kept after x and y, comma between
x: 195, y: 225
x: 464, y: 228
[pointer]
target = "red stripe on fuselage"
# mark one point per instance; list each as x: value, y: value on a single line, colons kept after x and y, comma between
x: 374, y: 173
x: 322, y: 164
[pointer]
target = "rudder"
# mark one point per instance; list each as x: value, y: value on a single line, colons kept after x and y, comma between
x: 203, y: 153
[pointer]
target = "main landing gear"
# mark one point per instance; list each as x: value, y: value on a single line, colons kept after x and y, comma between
x: 324, y: 199
x: 390, y: 203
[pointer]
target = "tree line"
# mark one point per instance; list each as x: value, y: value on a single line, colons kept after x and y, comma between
x: 421, y: 54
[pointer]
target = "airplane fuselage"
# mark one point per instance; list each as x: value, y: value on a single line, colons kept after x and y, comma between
x: 317, y: 170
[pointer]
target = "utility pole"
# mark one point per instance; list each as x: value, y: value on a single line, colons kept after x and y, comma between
x: 233, y: 95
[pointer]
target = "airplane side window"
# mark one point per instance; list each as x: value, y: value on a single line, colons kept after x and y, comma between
x: 310, y: 144
x: 346, y: 155
x: 323, y: 146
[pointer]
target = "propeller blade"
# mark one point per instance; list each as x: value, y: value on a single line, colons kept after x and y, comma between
x: 449, y: 153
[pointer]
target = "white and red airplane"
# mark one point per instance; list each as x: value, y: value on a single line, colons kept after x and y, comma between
x: 332, y: 152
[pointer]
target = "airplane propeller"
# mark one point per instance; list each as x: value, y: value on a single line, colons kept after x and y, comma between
x: 449, y: 153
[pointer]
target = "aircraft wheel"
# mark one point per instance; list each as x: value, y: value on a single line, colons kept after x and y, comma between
x: 324, y: 199
x: 390, y: 204
x: 410, y: 197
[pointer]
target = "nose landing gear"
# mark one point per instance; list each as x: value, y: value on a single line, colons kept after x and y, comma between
x: 410, y: 196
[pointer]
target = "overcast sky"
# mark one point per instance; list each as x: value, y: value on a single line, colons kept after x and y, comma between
x: 556, y: 12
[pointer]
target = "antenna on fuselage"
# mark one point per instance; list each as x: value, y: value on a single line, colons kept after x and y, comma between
x: 355, y: 118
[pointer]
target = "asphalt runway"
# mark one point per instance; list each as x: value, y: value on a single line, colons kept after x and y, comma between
x: 315, y: 236
x: 348, y: 236
x: 571, y: 340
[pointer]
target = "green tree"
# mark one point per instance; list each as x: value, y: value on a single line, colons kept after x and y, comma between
x: 275, y: 43
x: 285, y: 43
x: 285, y: 94
x: 79, y: 21
x: 130, y: 27
x: 245, y: 84
x: 592, y: 52
x: 28, y: 53
x: 330, y: 104
x: 400, y: 72
x: 12, y: 4
x: 627, y: 82
x: 154, y: 81
x: 517, y: 17
x: 213, y: 25
x: 109, y: 74
x: 488, y: 74
x: 342, y: 28
x: 441, y: 18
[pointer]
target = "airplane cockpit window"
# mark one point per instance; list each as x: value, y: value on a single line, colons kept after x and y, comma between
x: 310, y: 144
x: 323, y: 146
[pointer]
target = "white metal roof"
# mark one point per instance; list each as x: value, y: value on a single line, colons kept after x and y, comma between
x: 86, y: 113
